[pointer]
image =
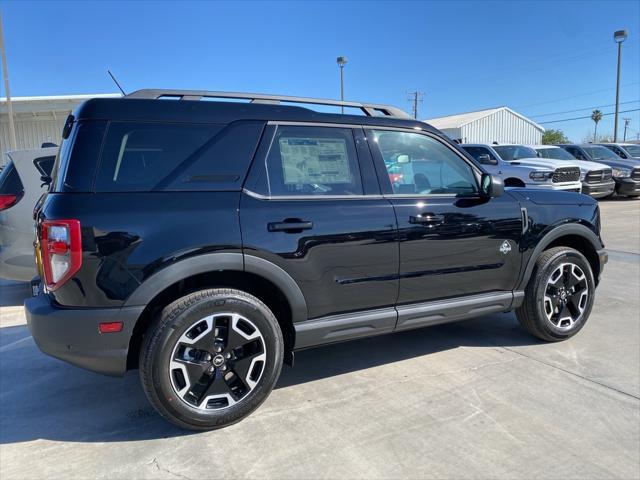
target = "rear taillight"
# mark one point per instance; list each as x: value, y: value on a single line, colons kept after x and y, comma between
x: 8, y: 200
x: 61, y: 248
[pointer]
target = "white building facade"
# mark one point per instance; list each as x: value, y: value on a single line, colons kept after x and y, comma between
x: 501, y: 125
x: 37, y: 120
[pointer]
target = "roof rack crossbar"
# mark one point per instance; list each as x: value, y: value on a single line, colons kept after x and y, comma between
x: 368, y: 109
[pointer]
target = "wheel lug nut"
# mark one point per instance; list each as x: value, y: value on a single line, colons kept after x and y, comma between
x: 207, y: 357
x: 224, y: 368
x: 217, y: 349
x: 210, y: 370
x: 227, y: 355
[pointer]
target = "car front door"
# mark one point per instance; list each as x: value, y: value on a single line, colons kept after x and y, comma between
x: 312, y: 206
x: 454, y: 242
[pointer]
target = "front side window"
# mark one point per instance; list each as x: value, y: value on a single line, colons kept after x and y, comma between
x: 418, y: 164
x: 313, y: 161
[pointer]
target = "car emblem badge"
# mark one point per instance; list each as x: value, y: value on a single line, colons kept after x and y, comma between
x: 505, y: 247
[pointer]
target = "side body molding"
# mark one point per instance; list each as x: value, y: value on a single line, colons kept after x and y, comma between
x: 222, y: 261
x: 557, y: 232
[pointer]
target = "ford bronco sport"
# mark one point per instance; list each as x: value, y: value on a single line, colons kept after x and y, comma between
x: 204, y: 242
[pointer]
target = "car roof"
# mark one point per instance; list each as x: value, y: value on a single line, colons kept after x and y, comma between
x: 193, y: 111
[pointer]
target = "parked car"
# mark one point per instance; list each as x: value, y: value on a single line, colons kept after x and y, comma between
x: 624, y: 150
x: 205, y: 241
x: 20, y: 188
x: 519, y: 166
x: 597, y: 178
x: 626, y: 172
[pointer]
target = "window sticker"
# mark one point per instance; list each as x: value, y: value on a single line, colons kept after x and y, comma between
x: 314, y: 160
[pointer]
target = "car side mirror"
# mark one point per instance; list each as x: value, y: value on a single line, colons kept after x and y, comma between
x: 46, y: 180
x: 485, y: 159
x: 491, y: 186
x: 403, y: 158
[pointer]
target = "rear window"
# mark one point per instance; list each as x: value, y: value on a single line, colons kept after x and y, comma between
x: 160, y: 156
x: 10, y: 183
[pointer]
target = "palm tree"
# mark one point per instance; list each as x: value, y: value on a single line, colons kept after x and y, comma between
x: 596, y: 116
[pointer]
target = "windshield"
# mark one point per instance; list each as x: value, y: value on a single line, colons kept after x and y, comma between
x: 633, y: 150
x: 600, y: 153
x: 555, y: 153
x: 515, y: 152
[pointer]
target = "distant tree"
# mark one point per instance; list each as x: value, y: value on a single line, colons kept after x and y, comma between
x: 549, y: 137
x: 600, y: 138
x: 596, y: 116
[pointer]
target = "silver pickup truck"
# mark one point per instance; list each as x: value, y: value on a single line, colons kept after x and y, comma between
x: 520, y: 166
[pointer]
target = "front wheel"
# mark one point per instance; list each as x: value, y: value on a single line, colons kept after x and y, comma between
x: 559, y: 296
x: 211, y: 358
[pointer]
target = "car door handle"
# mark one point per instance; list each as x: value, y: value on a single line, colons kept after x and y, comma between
x: 289, y: 226
x: 426, y: 219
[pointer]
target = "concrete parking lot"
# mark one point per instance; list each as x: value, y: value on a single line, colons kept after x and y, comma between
x: 477, y: 399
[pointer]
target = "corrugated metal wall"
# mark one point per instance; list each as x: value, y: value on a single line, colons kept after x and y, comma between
x: 502, y: 127
x: 31, y: 132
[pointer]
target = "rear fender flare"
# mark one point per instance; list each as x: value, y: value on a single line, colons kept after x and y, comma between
x: 222, y: 261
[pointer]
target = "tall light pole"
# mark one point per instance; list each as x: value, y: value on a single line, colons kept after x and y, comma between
x: 626, y: 124
x: 619, y: 37
x: 342, y: 61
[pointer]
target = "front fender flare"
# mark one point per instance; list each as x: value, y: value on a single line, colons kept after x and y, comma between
x: 554, y: 234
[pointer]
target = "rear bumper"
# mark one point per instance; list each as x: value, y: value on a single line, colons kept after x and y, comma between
x: 72, y: 334
x: 627, y: 186
x: 598, y: 190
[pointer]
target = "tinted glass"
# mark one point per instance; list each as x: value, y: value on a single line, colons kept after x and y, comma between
x: 633, y: 150
x: 313, y: 161
x: 145, y: 156
x: 600, y: 153
x: 475, y: 152
x: 44, y: 164
x: 515, y: 152
x: 10, y: 183
x: 418, y: 164
x: 555, y: 153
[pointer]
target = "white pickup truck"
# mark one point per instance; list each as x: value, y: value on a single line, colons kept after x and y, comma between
x: 520, y: 166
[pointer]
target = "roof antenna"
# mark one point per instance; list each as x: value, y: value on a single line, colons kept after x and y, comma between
x: 116, y: 82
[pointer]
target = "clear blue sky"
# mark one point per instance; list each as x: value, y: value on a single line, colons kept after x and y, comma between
x: 536, y: 57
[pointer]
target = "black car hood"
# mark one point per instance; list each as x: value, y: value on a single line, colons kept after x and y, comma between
x: 620, y: 163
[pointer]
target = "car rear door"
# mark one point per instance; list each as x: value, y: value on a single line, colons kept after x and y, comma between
x: 312, y: 206
x: 454, y: 243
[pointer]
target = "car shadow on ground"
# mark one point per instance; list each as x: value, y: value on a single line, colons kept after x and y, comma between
x: 13, y: 294
x: 43, y: 398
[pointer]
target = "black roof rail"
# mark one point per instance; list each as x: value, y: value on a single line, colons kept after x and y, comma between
x: 369, y: 109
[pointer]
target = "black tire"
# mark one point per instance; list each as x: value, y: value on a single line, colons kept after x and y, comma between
x: 534, y: 315
x: 176, y: 322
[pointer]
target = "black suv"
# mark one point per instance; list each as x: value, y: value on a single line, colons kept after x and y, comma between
x: 203, y: 242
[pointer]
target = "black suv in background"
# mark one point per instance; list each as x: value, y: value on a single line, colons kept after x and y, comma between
x: 626, y: 172
x: 203, y: 242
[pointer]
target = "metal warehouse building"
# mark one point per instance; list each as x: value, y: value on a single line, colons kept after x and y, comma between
x: 501, y: 125
x: 37, y: 119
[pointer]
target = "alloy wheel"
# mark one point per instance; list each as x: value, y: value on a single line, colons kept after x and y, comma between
x: 566, y: 296
x: 217, y: 361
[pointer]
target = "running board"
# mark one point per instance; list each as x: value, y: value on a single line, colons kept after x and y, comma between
x: 349, y: 326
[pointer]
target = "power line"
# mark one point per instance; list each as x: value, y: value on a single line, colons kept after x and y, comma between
x: 589, y: 116
x: 574, y: 96
x: 581, y: 109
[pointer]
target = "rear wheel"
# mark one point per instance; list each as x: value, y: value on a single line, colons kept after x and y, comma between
x: 559, y: 297
x: 211, y: 358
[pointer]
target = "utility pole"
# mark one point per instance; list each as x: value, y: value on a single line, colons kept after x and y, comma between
x: 619, y: 37
x: 626, y: 124
x: 5, y: 75
x: 415, y: 97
